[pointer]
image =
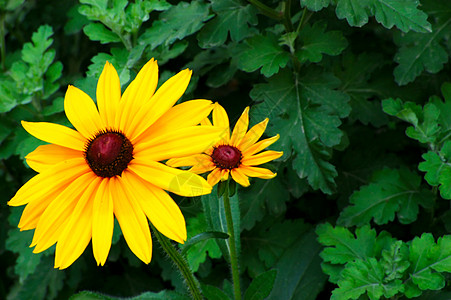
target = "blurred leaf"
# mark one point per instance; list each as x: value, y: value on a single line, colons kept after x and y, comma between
x: 261, y: 286
x: 215, y: 217
x: 196, y: 253
x: 316, y: 5
x: 389, y: 192
x: 162, y: 295
x: 176, y: 23
x: 229, y: 13
x: 303, y: 279
x: 213, y: 293
x: 316, y: 42
x: 263, y: 52
x: 44, y: 283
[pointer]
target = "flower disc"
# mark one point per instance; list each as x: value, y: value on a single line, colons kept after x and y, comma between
x: 108, y: 153
x: 226, y: 157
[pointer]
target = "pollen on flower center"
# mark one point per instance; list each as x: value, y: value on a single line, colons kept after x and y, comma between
x: 108, y: 153
x: 226, y: 157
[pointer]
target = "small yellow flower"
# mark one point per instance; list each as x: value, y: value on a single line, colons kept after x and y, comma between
x: 110, y: 166
x: 237, y: 155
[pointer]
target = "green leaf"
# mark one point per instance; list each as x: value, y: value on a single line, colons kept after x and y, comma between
x: 33, y: 53
x: 261, y: 286
x: 394, y: 261
x: 315, y: 5
x: 216, y: 220
x: 389, y: 192
x: 8, y: 95
x: 302, y: 279
x: 229, y: 13
x: 421, y: 51
x: 261, y: 198
x: 315, y: 42
x: 196, y: 252
x: 403, y: 14
x: 365, y: 276
x: 98, y: 32
x: 202, y: 237
x: 176, y: 23
x: 162, y: 295
x: 213, y: 293
x: 432, y: 165
x: 357, y: 74
x: 44, y: 283
x: 425, y: 256
x: 263, y: 52
x: 306, y: 113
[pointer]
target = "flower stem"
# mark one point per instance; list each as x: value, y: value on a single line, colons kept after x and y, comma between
x: 180, y: 262
x: 232, y: 246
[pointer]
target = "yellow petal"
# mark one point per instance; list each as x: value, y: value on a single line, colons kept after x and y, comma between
x: 224, y: 174
x: 203, y: 167
x: 261, y: 158
x: 78, y: 231
x: 55, y: 134
x: 56, y: 216
x: 253, y: 135
x: 132, y: 220
x: 214, y: 177
x: 178, y: 143
x: 44, y: 184
x: 46, y: 156
x: 220, y: 119
x: 108, y: 95
x: 257, y: 172
x: 187, y: 160
x: 240, y: 128
x: 158, y: 206
x: 177, y: 181
x: 257, y: 147
x: 239, y: 177
x: 82, y: 112
x: 134, y: 104
x: 34, y: 209
x: 165, y: 97
x: 186, y: 114
x: 102, y: 222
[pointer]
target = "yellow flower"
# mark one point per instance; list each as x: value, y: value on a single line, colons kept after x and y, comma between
x: 236, y: 155
x: 109, y: 166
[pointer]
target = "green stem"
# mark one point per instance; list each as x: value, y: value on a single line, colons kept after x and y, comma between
x: 182, y: 265
x: 266, y: 10
x: 232, y: 246
x: 287, y: 16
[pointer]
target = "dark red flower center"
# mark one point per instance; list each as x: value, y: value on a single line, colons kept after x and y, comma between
x: 226, y: 157
x: 108, y: 153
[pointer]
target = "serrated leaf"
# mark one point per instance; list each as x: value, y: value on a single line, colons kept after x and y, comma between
x: 420, y: 52
x: 315, y: 42
x: 262, y: 197
x: 306, y: 113
x: 32, y: 53
x: 389, y: 192
x: 98, y: 32
x: 262, y: 51
x: 425, y: 256
x: 365, y: 276
x: 394, y: 261
x: 315, y: 5
x: 403, y: 14
x: 176, y: 23
x: 432, y: 165
x: 229, y: 13
x: 261, y: 286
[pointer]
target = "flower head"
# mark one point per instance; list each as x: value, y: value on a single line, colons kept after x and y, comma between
x: 109, y: 166
x: 237, y: 154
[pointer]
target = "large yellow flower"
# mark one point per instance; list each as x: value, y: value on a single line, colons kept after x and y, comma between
x: 109, y: 166
x: 237, y: 155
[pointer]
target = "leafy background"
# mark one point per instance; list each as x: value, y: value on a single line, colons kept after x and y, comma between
x: 359, y: 91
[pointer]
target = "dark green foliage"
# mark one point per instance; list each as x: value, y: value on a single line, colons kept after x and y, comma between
x: 359, y: 92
